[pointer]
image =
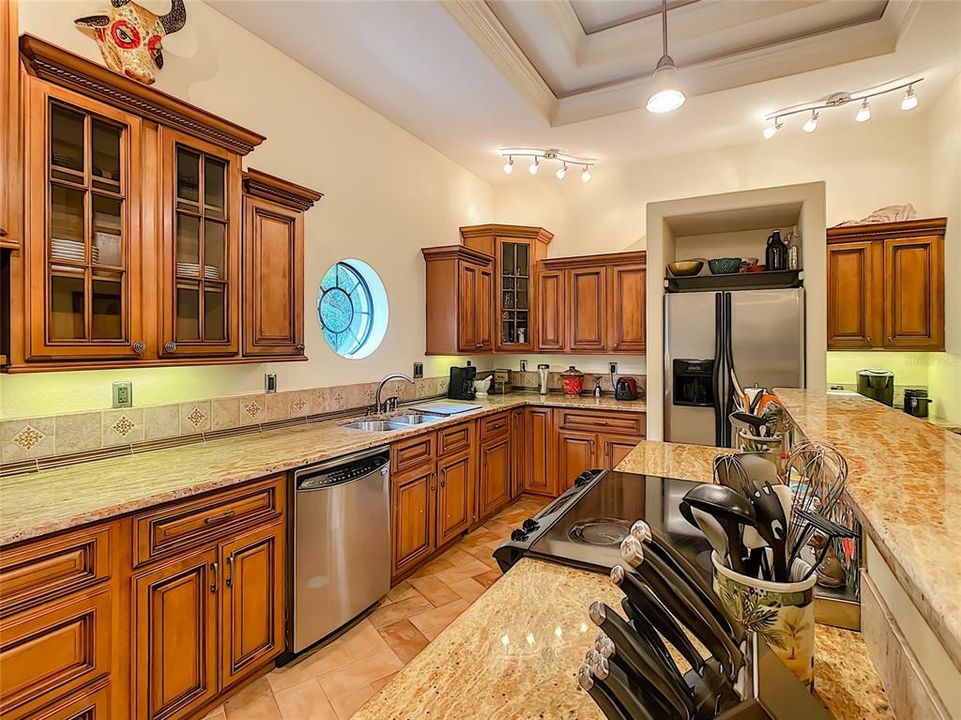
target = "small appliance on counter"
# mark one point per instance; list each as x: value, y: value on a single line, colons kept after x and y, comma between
x: 503, y: 382
x: 572, y: 381
x: 916, y: 402
x: 625, y: 389
x: 877, y: 385
x: 461, y: 386
x: 543, y: 375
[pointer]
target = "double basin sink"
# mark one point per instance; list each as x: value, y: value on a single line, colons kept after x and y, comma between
x: 398, y: 422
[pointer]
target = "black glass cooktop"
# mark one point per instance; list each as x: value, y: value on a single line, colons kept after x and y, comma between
x: 589, y: 531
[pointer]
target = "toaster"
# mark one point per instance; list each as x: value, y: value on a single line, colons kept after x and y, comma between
x: 625, y: 389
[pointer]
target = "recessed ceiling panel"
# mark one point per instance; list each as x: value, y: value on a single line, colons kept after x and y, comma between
x: 597, y: 15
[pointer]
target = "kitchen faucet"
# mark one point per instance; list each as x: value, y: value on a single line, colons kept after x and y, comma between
x: 390, y: 403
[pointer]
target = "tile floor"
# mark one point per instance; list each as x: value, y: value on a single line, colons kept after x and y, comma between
x: 333, y: 682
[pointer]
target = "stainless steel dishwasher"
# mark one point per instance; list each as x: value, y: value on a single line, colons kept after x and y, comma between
x: 341, y: 542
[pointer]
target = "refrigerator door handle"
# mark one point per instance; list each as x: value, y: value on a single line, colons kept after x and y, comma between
x: 717, y: 372
x: 729, y: 358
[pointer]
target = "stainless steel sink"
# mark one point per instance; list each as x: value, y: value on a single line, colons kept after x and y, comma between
x: 415, y: 419
x: 375, y: 425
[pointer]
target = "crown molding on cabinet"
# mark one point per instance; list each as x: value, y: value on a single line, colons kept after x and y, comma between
x: 296, y: 197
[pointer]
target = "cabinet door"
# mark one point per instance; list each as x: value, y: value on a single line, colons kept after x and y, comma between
x: 628, y: 303
x: 514, y: 296
x: 253, y: 601
x: 175, y: 610
x: 914, y: 293
x: 551, y: 318
x: 200, y: 264
x: 518, y: 452
x: 854, y: 275
x: 273, y: 279
x: 412, y: 518
x: 540, y: 476
x: 588, y: 300
x: 616, y: 449
x: 576, y: 452
x: 83, y: 178
x: 455, y: 475
x: 467, y: 280
x: 495, y: 476
x: 484, y: 309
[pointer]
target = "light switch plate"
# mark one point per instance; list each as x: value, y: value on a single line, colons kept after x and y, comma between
x: 270, y: 383
x: 123, y: 394
x: 613, y: 368
x: 418, y: 370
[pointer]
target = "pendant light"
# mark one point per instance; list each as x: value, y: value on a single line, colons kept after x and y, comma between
x: 667, y: 94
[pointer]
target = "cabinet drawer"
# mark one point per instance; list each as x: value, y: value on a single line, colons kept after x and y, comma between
x: 185, y: 525
x: 44, y: 570
x: 495, y: 426
x: 50, y: 651
x: 454, y: 439
x: 412, y: 453
x: 613, y: 422
x: 89, y: 704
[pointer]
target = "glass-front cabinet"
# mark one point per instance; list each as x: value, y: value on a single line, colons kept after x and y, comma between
x: 201, y: 248
x: 83, y: 205
x: 515, y: 293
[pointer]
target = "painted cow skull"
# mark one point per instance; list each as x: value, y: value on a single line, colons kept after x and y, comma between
x: 129, y: 36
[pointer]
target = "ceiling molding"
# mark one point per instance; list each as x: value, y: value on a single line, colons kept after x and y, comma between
x: 479, y: 21
x: 898, y: 16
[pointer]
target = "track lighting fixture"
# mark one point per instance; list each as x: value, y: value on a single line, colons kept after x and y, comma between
x: 814, y: 109
x: 538, y: 154
x: 667, y: 94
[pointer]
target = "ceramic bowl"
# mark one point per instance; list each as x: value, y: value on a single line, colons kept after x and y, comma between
x: 685, y: 268
x: 724, y: 266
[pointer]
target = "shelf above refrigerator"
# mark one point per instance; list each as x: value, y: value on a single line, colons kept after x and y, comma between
x: 773, y: 279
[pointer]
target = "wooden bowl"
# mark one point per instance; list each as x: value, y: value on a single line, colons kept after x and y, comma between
x: 685, y: 268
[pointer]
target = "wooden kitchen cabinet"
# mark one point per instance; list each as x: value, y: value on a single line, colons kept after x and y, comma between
x: 273, y: 265
x: 495, y: 466
x: 455, y: 475
x: 518, y: 452
x: 460, y: 300
x: 886, y: 286
x: 576, y: 452
x: 10, y: 166
x: 252, y: 601
x: 616, y: 449
x: 516, y: 249
x: 592, y: 304
x: 412, y: 518
x: 589, y: 439
x: 175, y: 635
x: 539, y: 458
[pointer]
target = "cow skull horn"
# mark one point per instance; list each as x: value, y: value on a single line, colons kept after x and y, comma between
x: 175, y: 19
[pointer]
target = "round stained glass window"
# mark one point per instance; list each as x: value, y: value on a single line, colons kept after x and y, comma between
x: 352, y: 308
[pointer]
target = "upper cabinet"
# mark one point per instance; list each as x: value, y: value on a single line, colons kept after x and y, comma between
x: 886, y: 286
x: 460, y: 300
x: 10, y: 189
x: 141, y: 244
x: 592, y: 304
x: 516, y: 249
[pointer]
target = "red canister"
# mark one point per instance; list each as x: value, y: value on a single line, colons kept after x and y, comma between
x: 573, y: 381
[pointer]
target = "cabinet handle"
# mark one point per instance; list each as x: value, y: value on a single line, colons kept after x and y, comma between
x: 230, y: 571
x: 219, y: 518
x: 300, y: 348
x: 3, y: 232
x: 602, y: 422
x: 867, y: 340
x: 433, y: 481
x: 890, y: 339
x: 216, y: 571
x: 138, y: 347
x: 170, y: 346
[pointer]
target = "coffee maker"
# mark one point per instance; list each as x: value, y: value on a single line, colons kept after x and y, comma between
x: 877, y: 385
x: 461, y: 386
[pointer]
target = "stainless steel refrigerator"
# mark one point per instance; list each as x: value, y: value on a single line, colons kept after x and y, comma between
x: 759, y: 333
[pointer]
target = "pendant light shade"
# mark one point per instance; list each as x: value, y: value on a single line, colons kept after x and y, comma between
x: 667, y: 94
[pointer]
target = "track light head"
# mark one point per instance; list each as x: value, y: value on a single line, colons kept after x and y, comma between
x: 509, y: 165
x: 812, y: 122
x: 534, y: 166
x: 864, y: 112
x: 910, y: 100
x: 586, y: 174
x: 561, y: 172
x: 771, y: 130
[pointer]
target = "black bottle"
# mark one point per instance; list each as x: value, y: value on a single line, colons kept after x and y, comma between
x: 776, y: 254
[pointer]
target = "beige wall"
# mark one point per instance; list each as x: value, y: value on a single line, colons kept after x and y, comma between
x: 387, y: 194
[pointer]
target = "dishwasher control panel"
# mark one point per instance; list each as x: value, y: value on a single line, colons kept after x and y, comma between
x: 343, y: 473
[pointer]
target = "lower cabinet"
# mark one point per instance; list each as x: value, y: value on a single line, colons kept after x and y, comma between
x: 539, y: 458
x: 575, y: 454
x: 92, y: 704
x: 495, y: 475
x: 412, y: 513
x: 454, y: 478
x: 615, y: 450
x: 588, y: 439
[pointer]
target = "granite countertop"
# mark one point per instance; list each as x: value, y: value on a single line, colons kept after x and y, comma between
x: 39, y: 503
x: 510, y: 658
x: 905, y: 485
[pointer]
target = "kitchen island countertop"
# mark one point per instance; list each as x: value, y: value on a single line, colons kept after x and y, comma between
x: 39, y: 503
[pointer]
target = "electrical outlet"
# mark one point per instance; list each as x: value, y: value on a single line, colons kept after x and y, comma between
x: 613, y: 368
x: 523, y: 365
x: 270, y: 383
x: 418, y: 370
x: 123, y: 394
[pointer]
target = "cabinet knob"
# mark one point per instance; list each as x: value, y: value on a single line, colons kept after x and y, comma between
x: 867, y: 340
x: 300, y: 348
x: 170, y: 346
x: 890, y: 339
x: 138, y: 347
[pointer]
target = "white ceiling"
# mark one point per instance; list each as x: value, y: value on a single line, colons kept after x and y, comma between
x: 468, y: 77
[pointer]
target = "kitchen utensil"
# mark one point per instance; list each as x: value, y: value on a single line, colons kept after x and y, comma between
x: 754, y: 424
x: 709, y: 525
x: 772, y: 527
x: 573, y: 381
x: 632, y: 699
x: 724, y: 266
x: 731, y: 509
x: 818, y: 474
x: 482, y: 386
x: 649, y: 636
x: 637, y: 659
x: 740, y: 399
x: 643, y: 598
x: 683, y: 568
x: 685, y: 268
x: 543, y: 372
x: 599, y: 694
x: 685, y: 604
x: 828, y: 530
x: 625, y: 389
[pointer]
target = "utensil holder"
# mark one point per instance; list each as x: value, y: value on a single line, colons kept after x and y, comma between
x: 776, y: 444
x: 781, y: 614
